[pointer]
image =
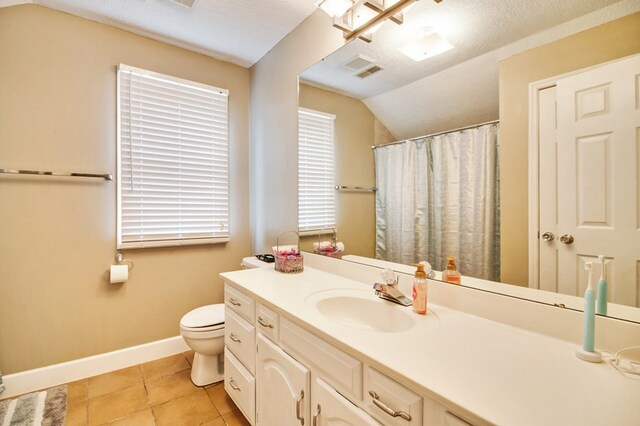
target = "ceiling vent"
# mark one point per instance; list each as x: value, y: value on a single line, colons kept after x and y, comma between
x: 359, y: 62
x: 186, y: 3
x: 369, y: 71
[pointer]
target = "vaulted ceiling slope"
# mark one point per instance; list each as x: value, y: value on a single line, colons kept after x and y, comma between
x: 236, y: 31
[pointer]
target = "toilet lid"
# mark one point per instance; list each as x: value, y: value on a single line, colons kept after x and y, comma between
x: 204, y: 316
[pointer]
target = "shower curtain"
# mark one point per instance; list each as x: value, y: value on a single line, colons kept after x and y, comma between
x: 439, y: 196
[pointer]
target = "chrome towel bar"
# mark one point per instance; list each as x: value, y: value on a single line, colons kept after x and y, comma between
x: 355, y: 188
x: 105, y: 176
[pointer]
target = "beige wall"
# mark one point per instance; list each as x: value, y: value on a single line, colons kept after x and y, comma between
x: 604, y: 43
x: 57, y: 235
x: 354, y: 131
x: 274, y: 126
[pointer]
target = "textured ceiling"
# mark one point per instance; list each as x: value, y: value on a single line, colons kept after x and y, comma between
x: 459, y: 87
x: 474, y: 27
x: 237, y: 31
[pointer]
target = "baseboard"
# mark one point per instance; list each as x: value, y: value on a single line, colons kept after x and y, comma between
x: 52, y: 375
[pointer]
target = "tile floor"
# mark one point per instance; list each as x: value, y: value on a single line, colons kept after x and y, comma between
x: 156, y: 393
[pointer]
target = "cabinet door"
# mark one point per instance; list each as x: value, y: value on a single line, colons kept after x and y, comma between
x: 282, y: 391
x: 329, y: 408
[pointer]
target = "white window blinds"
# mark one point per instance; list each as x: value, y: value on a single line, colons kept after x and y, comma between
x: 316, y: 177
x: 173, y: 171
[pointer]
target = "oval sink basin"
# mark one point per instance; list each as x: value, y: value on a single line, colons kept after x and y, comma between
x: 363, y: 312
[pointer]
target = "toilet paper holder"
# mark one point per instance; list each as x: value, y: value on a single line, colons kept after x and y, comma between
x: 120, y: 259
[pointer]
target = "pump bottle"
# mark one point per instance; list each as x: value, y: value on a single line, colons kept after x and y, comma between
x: 420, y: 291
x: 451, y: 274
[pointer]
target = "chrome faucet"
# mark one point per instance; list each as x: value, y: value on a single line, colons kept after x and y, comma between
x: 392, y: 294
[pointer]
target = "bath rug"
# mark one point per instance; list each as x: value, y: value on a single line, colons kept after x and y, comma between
x: 46, y: 408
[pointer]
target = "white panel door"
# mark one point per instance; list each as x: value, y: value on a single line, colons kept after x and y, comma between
x: 547, y: 191
x: 598, y: 134
x: 282, y: 387
x: 329, y: 408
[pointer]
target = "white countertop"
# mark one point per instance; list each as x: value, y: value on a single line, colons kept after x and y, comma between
x: 498, y: 373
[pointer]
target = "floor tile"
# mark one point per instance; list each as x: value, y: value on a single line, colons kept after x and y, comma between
x: 192, y: 409
x: 164, y: 367
x: 115, y: 405
x: 235, y: 418
x: 169, y: 387
x: 76, y: 414
x: 189, y: 355
x: 217, y: 422
x: 116, y: 380
x: 220, y: 398
x: 77, y: 391
x: 139, y: 418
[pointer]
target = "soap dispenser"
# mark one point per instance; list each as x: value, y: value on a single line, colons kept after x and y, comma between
x: 451, y: 274
x: 420, y: 290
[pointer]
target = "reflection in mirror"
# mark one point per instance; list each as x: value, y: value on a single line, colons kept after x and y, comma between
x: 460, y: 88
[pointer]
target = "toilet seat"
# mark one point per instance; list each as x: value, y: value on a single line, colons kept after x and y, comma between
x: 204, y: 319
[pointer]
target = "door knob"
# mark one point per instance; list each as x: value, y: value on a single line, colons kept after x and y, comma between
x: 566, y: 239
x: 548, y: 236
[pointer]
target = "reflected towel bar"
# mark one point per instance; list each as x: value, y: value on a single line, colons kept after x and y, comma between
x: 105, y: 176
x: 355, y: 188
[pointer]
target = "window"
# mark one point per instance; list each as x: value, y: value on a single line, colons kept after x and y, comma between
x: 316, y: 180
x: 173, y: 171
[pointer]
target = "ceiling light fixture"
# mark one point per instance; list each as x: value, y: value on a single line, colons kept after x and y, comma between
x: 430, y: 44
x: 335, y: 8
x: 359, y: 19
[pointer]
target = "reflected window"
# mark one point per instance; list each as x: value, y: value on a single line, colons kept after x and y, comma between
x: 316, y: 171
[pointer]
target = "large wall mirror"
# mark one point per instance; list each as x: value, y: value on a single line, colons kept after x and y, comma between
x: 503, y: 58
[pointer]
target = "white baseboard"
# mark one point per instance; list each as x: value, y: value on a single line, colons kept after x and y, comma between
x: 52, y: 375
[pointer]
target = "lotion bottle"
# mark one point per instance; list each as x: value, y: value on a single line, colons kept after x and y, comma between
x: 451, y: 274
x: 420, y: 291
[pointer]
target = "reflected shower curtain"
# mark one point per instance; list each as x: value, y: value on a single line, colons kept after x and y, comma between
x: 438, y: 197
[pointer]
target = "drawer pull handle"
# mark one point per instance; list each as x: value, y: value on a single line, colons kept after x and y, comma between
x: 234, y: 338
x: 381, y: 405
x: 234, y: 302
x: 299, y: 415
x: 264, y: 323
x: 233, y: 385
x: 316, y: 415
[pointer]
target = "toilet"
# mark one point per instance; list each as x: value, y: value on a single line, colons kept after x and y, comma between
x: 203, y: 331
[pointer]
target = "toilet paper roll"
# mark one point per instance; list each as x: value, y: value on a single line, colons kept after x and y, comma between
x: 119, y: 273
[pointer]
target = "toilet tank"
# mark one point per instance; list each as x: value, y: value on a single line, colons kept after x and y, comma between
x: 251, y: 262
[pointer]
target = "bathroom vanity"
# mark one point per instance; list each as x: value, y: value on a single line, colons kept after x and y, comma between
x: 316, y: 348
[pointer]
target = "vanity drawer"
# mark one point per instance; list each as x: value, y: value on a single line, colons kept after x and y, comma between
x: 340, y: 370
x: 390, y: 396
x: 240, y: 338
x: 268, y: 322
x: 240, y: 385
x: 240, y: 303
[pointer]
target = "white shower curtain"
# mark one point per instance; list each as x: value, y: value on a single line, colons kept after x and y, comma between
x: 438, y: 197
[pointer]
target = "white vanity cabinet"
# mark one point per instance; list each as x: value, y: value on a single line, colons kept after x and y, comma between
x: 283, y: 387
x: 280, y: 373
x: 328, y: 407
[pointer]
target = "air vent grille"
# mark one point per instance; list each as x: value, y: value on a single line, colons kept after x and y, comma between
x: 369, y: 71
x: 359, y: 62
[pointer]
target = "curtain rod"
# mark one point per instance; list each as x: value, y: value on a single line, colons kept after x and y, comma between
x: 436, y: 134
